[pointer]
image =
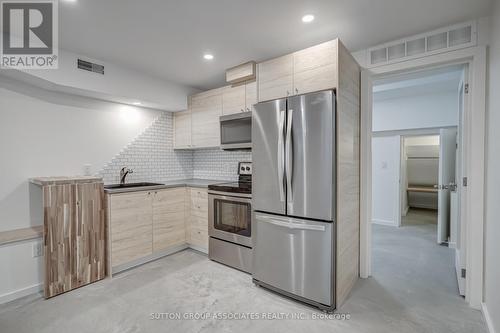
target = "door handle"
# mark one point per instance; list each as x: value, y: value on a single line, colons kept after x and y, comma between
x: 289, y: 155
x: 281, y: 155
x: 451, y: 186
x: 296, y: 226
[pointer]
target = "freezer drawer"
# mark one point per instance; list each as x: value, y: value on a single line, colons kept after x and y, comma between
x: 295, y: 256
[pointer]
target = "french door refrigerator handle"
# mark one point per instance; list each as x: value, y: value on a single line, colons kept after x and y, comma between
x: 281, y: 156
x: 291, y: 225
x: 289, y: 155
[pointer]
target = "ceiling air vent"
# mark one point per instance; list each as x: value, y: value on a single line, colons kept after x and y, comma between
x: 438, y: 41
x: 91, y: 67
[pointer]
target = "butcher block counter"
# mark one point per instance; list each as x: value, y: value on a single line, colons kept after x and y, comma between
x: 74, y: 230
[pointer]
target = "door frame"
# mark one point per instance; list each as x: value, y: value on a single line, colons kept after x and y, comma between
x: 474, y: 135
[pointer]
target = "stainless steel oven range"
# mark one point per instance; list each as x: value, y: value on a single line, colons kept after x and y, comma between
x: 230, y: 221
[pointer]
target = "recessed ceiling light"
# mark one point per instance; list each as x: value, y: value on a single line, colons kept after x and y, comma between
x: 69, y: 0
x: 208, y: 56
x: 137, y: 103
x: 307, y: 18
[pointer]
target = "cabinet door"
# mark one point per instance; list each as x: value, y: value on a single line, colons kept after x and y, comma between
x: 250, y: 95
x: 205, y: 113
x: 75, y: 236
x: 168, y: 218
x: 275, y: 78
x: 233, y: 99
x: 199, y: 218
x: 182, y: 130
x: 131, y: 226
x: 315, y: 68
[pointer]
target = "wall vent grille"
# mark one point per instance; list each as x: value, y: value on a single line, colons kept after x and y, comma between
x: 438, y: 41
x: 91, y: 67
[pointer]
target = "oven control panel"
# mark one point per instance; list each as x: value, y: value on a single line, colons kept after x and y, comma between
x: 244, y: 168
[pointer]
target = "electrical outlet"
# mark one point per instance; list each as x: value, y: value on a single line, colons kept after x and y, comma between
x: 87, y: 170
x: 37, y: 250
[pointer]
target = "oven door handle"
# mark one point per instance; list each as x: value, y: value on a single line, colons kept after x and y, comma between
x: 219, y: 195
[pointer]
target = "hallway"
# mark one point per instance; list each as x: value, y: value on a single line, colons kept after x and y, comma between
x: 413, y: 284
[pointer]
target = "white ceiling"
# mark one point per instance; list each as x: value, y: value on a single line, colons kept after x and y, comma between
x: 167, y: 38
x: 442, y: 80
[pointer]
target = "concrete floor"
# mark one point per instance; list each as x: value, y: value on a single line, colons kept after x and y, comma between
x: 413, y: 289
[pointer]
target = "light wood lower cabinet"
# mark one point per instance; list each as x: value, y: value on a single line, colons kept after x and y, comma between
x: 198, y: 219
x: 74, y: 234
x: 168, y: 219
x: 131, y: 226
x: 148, y: 223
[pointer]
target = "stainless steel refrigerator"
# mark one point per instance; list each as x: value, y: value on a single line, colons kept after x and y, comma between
x: 293, y: 201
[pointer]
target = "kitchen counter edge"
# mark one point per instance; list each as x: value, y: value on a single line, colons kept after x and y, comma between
x: 200, y: 183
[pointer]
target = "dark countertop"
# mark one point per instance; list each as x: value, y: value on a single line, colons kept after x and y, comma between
x: 194, y: 182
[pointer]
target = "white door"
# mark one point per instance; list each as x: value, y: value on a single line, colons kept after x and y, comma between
x: 447, y: 157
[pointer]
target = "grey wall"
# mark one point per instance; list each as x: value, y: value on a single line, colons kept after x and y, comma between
x: 492, y: 245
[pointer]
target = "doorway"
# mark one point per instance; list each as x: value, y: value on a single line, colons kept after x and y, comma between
x: 473, y: 143
x: 416, y: 163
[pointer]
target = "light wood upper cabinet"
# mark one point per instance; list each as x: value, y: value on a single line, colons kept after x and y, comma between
x: 206, y: 108
x: 182, y: 130
x: 315, y: 68
x: 240, y: 98
x: 250, y: 95
x: 233, y: 99
x: 168, y: 218
x: 304, y: 71
x: 275, y: 78
x: 131, y: 226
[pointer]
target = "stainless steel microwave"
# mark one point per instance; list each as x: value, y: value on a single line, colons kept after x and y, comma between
x: 236, y: 131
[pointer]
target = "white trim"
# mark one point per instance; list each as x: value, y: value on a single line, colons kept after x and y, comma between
x: 365, y: 214
x: 487, y: 318
x: 475, y: 58
x: 385, y: 222
x: 426, y: 52
x: 36, y: 288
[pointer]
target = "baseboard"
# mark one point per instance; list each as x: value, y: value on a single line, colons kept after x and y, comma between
x: 487, y: 318
x: 21, y: 293
x: 384, y: 222
x: 152, y: 257
x: 429, y: 207
x: 406, y: 210
x: 199, y: 249
x: 39, y: 287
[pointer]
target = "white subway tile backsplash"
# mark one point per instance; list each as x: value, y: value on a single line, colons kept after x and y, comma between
x: 152, y: 158
x: 218, y: 164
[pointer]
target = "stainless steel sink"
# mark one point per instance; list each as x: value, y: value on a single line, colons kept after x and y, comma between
x: 130, y: 185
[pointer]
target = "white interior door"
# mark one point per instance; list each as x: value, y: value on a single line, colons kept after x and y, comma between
x: 447, y: 157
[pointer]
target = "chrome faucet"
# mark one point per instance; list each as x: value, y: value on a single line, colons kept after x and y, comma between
x: 123, y: 174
